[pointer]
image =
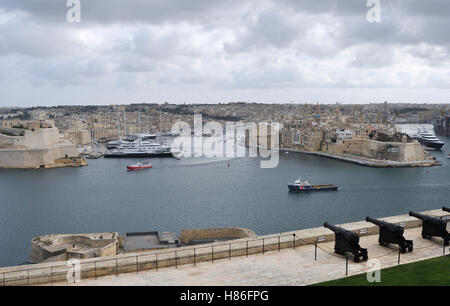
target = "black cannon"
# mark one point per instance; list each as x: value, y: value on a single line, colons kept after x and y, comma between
x: 392, y: 233
x: 347, y: 241
x: 433, y: 226
x: 446, y: 209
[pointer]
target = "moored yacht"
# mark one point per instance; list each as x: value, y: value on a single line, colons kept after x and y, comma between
x: 139, y: 149
x: 429, y: 140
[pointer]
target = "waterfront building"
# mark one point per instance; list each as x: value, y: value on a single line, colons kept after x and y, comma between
x: 35, y: 144
x: 442, y: 126
x: 344, y: 135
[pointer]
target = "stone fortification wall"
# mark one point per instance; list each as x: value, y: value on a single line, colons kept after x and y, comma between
x: 36, y: 149
x: 64, y: 247
x: 395, y: 151
x: 216, y: 233
x: 41, y: 138
x: 37, y: 158
x: 30, y: 139
x: 81, y: 137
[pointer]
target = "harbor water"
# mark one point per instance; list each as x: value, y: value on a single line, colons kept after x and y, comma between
x: 206, y: 193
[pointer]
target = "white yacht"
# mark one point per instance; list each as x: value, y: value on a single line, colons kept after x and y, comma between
x: 140, y: 148
x: 429, y: 140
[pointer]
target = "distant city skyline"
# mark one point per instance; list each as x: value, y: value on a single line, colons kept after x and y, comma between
x: 204, y: 52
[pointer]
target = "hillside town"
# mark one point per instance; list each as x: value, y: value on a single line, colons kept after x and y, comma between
x: 363, y: 131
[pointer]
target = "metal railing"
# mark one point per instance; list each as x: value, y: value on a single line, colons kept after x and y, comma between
x: 145, y: 262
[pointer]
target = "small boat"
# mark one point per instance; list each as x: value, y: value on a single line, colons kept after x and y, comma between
x: 139, y: 166
x: 94, y: 156
x: 305, y: 186
x: 448, y: 155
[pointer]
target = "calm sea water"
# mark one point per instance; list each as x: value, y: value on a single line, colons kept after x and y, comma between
x: 200, y: 193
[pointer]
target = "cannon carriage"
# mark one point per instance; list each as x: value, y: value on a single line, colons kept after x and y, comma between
x: 392, y: 234
x: 347, y: 242
x: 432, y: 227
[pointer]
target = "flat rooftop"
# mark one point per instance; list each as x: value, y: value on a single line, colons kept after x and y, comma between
x: 149, y: 240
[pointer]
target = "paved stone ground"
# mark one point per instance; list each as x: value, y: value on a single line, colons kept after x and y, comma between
x: 287, y: 267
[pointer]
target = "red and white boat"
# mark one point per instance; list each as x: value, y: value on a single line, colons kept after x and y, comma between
x: 139, y: 166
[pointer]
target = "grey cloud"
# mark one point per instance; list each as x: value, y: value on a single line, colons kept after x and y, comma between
x: 369, y: 56
x: 424, y: 8
x: 272, y: 29
x: 150, y: 44
x: 342, y: 8
x: 225, y: 44
x: 31, y: 39
x: 119, y: 11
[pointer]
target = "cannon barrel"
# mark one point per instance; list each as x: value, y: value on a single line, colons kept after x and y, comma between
x: 446, y: 209
x: 334, y: 228
x: 375, y: 221
x: 389, y: 226
x: 419, y: 216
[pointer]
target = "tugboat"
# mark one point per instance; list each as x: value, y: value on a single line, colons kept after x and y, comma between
x: 304, y: 186
x: 139, y: 166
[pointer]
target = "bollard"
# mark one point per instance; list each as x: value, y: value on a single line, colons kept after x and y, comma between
x: 117, y: 268
x: 176, y: 260
x: 294, y: 241
x: 246, y: 248
x: 137, y: 265
x: 399, y: 252
x: 230, y: 251
x: 315, y: 252
x: 156, y: 261
x: 278, y: 243
x: 346, y: 266
x: 212, y: 254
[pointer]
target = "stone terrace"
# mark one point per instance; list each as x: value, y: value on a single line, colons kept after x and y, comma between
x: 287, y: 267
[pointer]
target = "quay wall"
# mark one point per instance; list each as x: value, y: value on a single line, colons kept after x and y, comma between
x: 47, y: 273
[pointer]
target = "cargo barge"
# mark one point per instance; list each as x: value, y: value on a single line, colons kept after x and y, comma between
x: 305, y: 186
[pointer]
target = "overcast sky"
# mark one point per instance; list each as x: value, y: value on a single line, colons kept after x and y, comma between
x: 210, y: 51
